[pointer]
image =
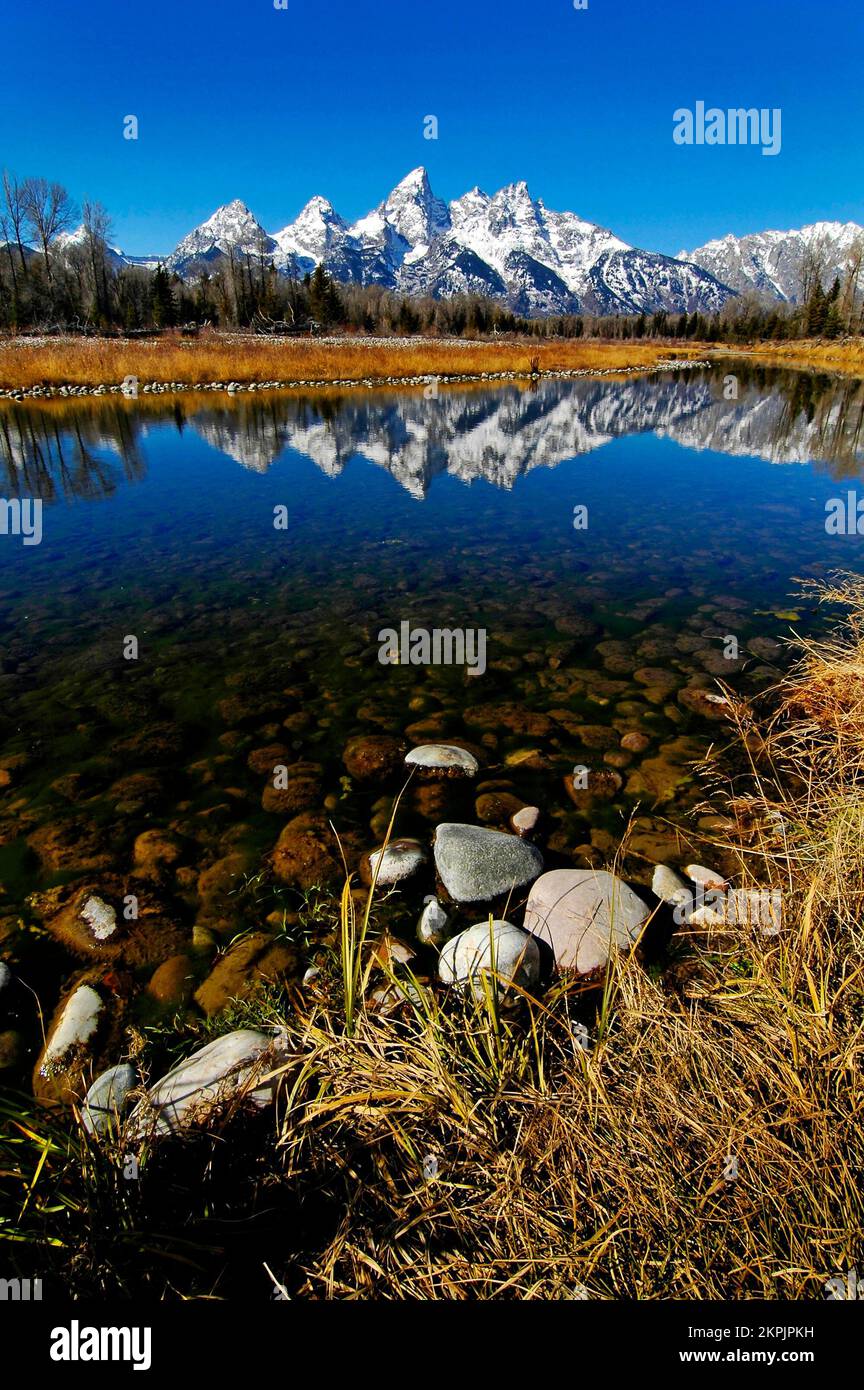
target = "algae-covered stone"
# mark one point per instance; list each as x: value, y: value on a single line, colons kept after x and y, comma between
x: 478, y: 865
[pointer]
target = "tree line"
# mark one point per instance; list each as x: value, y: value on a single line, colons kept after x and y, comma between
x: 52, y: 280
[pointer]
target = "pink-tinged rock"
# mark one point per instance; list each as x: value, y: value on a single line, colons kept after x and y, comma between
x: 525, y: 820
x: 583, y: 915
x: 707, y: 878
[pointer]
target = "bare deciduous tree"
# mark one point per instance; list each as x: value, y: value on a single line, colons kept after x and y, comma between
x: 13, y: 193
x: 48, y: 210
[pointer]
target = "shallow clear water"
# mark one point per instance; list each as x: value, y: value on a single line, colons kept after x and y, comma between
x: 452, y: 512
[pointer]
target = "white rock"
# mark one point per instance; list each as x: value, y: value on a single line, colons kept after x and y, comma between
x: 5, y: 974
x: 761, y: 908
x: 433, y: 924
x: 474, y: 954
x: 398, y: 861
x: 105, y: 1099
x: 583, y: 915
x: 234, y: 1067
x: 525, y: 820
x: 75, y: 1026
x: 707, y: 878
x: 670, y: 887
x: 445, y: 757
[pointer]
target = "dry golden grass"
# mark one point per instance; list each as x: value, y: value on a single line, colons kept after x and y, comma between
x: 844, y: 355
x: 241, y: 357
x: 561, y: 1171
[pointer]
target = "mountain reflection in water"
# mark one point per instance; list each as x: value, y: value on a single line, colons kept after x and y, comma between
x: 498, y: 435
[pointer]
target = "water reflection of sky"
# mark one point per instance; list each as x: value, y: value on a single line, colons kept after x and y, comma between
x: 457, y: 510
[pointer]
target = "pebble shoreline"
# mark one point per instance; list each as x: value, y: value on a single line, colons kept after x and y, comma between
x: 158, y: 388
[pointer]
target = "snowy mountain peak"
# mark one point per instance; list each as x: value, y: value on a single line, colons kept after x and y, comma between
x: 773, y: 263
x: 413, y: 210
x: 231, y: 228
x: 514, y: 248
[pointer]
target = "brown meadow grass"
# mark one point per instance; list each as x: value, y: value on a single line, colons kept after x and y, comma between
x: 242, y: 357
x: 845, y: 355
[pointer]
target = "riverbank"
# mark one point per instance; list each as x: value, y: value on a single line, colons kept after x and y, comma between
x: 839, y: 355
x: 239, y: 358
x: 682, y: 1125
x: 69, y: 366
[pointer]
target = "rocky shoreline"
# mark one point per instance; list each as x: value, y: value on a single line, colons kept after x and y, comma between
x: 65, y: 392
x: 571, y: 922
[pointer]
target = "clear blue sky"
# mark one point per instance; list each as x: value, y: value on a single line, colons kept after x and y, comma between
x: 238, y: 99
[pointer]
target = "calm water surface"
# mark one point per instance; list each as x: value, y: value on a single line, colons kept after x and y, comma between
x: 703, y: 515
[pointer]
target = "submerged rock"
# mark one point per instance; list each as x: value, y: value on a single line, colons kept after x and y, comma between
x: 373, y: 757
x: 433, y: 924
x: 706, y: 703
x: 445, y: 759
x: 232, y: 1069
x: 253, y: 960
x: 400, y: 859
x: 171, y: 983
x: 496, y: 807
x: 155, y: 852
x: 106, y: 1098
x: 635, y: 742
x: 306, y: 854
x: 584, y: 915
x: 478, y: 865
x: 502, y: 950
x: 11, y: 1049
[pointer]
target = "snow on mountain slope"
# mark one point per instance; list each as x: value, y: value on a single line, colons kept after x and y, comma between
x: 231, y: 228
x: 316, y: 234
x: 508, y: 247
x: 66, y: 242
x: 642, y: 282
x: 772, y: 262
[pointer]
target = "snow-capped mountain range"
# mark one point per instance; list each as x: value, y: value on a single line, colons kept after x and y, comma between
x: 772, y: 262
x: 510, y: 247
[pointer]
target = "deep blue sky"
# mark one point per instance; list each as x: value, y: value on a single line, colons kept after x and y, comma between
x: 238, y: 99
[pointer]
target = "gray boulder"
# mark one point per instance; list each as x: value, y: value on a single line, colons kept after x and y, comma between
x: 477, y: 865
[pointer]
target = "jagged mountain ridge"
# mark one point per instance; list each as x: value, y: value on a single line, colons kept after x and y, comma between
x: 507, y: 246
x: 772, y: 262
